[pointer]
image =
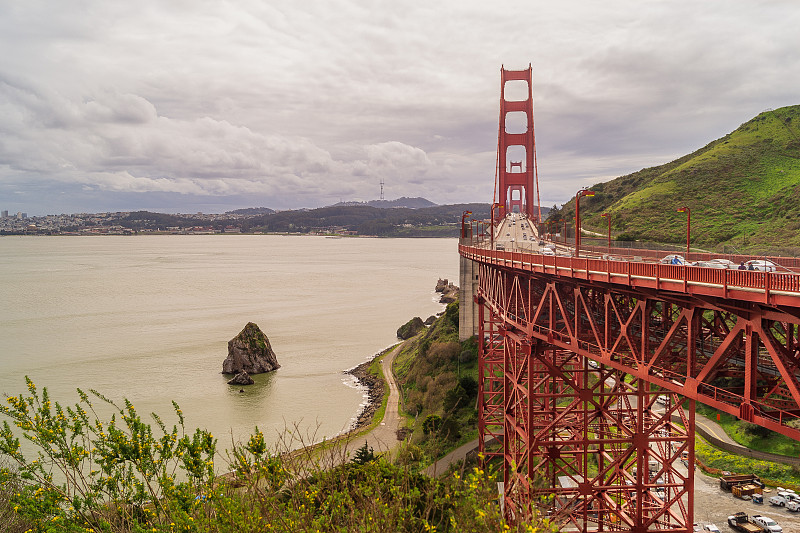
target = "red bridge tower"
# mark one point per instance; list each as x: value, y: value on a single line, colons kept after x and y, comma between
x: 516, y: 182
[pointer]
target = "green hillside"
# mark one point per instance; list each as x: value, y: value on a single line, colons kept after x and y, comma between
x: 743, y: 190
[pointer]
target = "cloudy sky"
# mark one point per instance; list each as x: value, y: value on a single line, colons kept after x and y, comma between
x: 211, y: 105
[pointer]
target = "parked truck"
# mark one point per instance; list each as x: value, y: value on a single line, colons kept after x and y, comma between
x: 742, y: 522
x: 727, y: 482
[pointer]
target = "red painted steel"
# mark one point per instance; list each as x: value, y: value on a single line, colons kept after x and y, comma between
x: 727, y: 338
x: 517, y: 181
x: 589, y: 368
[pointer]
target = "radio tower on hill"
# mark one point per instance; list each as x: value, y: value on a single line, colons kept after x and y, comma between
x: 381, y: 190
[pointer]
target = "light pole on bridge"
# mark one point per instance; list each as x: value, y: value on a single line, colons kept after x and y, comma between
x: 688, y: 212
x: 581, y: 193
x: 463, y: 227
x: 608, y: 217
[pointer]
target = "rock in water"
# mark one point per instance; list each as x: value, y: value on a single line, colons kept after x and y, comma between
x: 242, y: 378
x: 410, y: 328
x: 250, y: 352
x: 448, y: 290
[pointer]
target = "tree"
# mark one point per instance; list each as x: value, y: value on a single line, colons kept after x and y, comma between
x: 431, y: 424
x: 363, y: 455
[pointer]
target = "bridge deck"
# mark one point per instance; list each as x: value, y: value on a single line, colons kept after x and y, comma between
x: 771, y: 288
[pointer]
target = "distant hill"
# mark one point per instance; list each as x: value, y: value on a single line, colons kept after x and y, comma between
x: 251, y: 211
x: 359, y: 219
x: 362, y: 219
x: 742, y: 190
x: 410, y: 203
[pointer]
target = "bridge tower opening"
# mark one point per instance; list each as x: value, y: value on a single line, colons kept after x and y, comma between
x: 517, y: 182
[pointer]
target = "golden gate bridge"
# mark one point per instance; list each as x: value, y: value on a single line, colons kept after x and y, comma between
x: 592, y: 359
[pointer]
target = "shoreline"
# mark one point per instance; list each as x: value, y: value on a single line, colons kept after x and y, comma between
x: 375, y: 389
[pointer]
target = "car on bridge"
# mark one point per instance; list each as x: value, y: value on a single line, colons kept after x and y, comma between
x: 764, y: 265
x: 716, y: 263
x: 673, y: 259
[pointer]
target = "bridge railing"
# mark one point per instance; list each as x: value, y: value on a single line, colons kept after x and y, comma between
x: 787, y: 262
x: 651, y: 254
x: 752, y: 285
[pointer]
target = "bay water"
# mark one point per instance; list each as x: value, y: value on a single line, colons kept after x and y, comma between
x: 148, y: 318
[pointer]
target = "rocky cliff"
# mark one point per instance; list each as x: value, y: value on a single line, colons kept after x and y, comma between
x: 449, y: 291
x: 251, y: 352
x: 410, y: 328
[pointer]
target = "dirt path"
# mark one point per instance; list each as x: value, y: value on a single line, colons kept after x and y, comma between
x: 383, y: 438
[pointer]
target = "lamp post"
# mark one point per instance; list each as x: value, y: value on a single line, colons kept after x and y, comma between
x: 565, y: 232
x: 463, y: 227
x: 608, y: 217
x: 688, y: 212
x: 578, y: 196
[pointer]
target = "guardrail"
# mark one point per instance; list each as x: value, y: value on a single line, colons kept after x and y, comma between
x: 750, y: 285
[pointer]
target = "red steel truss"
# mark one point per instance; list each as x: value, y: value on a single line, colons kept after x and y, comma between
x: 589, y: 372
x: 590, y: 369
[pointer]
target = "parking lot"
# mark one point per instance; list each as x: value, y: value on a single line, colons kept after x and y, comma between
x: 712, y: 504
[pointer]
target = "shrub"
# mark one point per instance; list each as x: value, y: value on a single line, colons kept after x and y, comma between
x: 121, y: 478
x: 754, y: 429
x: 470, y: 386
x: 431, y: 424
x: 454, y: 398
x: 119, y: 463
x: 441, y: 353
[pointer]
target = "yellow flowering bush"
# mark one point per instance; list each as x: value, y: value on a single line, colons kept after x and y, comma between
x: 122, y: 476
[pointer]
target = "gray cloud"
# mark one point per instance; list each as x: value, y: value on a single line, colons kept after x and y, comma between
x: 181, y: 105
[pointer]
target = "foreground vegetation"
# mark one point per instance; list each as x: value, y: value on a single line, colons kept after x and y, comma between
x: 121, y: 475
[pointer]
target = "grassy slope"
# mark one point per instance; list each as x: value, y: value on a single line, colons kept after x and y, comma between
x: 742, y: 189
x: 431, y: 371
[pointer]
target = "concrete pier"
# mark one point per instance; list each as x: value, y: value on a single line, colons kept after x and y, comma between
x: 467, y: 308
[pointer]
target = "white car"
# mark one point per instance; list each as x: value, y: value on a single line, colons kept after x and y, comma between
x: 722, y: 263
x: 711, y: 527
x: 767, y: 523
x: 793, y: 506
x: 764, y: 265
x: 715, y: 263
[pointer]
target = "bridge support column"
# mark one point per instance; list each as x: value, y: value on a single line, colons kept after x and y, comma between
x: 467, y: 308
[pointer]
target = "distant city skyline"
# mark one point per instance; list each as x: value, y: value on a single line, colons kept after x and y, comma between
x: 215, y: 106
